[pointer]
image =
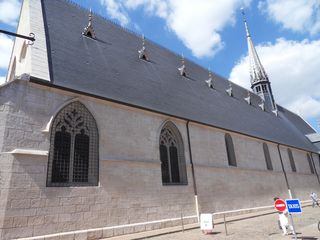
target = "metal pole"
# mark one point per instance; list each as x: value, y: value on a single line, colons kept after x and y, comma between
x: 289, y: 190
x: 225, y: 224
x: 182, y: 225
x: 284, y: 172
x: 31, y: 35
x: 294, y: 230
x: 193, y: 173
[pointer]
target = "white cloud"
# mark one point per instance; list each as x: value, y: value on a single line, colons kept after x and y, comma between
x: 297, y: 15
x: 2, y: 79
x: 197, y: 25
x: 293, y: 69
x: 115, y: 10
x: 9, y: 11
x: 6, y: 45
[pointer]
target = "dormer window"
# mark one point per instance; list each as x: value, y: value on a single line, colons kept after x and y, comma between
x: 229, y: 90
x: 88, y: 30
x: 143, y: 52
x: 182, y: 69
x: 248, y: 98
x: 210, y: 80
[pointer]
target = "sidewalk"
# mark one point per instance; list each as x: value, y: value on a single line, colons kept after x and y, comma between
x: 244, y: 227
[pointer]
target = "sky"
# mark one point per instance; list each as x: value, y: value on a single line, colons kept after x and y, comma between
x: 286, y: 34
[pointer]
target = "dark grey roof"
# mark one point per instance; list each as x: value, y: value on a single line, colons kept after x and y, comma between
x: 109, y: 67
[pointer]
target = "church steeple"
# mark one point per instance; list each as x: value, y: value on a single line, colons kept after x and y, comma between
x: 260, y: 83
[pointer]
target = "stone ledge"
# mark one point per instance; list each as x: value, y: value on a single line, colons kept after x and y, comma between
x: 28, y: 152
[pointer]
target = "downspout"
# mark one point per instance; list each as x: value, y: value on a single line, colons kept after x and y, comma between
x: 314, y: 167
x: 284, y: 172
x: 192, y: 171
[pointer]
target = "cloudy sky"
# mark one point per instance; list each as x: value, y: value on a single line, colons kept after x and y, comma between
x: 211, y: 32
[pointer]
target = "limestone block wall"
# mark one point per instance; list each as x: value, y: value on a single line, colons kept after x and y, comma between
x: 130, y: 189
x: 222, y: 187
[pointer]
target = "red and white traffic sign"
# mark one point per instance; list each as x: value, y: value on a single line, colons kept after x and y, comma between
x: 280, y: 205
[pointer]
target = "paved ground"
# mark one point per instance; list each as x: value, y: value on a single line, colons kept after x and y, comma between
x: 252, y: 228
x: 263, y: 227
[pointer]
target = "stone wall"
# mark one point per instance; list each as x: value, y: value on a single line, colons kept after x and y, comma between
x: 130, y: 189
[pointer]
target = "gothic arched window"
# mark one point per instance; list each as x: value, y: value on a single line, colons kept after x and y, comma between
x: 292, y: 164
x: 267, y: 156
x: 310, y: 163
x: 73, y: 156
x: 230, y: 150
x: 173, y: 164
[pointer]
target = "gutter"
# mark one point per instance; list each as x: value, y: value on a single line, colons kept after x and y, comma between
x: 192, y: 170
x: 284, y: 172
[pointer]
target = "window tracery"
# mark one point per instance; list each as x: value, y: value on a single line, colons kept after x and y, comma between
x: 173, y: 167
x: 73, y: 156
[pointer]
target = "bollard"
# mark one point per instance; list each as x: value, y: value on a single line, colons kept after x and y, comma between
x: 225, y: 224
x: 182, y: 225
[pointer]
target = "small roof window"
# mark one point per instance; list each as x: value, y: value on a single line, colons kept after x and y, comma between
x: 182, y: 69
x: 88, y: 31
x: 248, y: 98
x: 209, y: 81
x: 229, y: 90
x: 143, y: 52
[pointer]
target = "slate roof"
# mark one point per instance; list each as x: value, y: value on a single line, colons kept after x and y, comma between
x: 109, y: 67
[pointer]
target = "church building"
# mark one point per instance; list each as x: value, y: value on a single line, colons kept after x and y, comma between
x: 105, y: 133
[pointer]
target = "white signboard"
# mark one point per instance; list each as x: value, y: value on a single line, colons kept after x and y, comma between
x: 206, y: 222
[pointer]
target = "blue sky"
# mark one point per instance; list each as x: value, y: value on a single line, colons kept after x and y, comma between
x: 211, y: 33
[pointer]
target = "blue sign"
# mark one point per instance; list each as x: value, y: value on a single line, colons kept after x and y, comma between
x: 293, y: 206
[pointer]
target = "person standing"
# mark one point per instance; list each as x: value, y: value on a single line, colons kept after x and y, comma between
x: 314, y: 199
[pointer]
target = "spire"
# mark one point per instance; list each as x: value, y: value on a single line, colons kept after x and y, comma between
x: 88, y: 30
x: 257, y: 72
x: 259, y: 79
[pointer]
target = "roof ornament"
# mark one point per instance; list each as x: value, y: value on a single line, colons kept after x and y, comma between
x: 248, y: 98
x: 210, y: 80
x: 261, y: 105
x: 275, y: 111
x: 88, y: 31
x: 182, y: 69
x: 229, y: 90
x: 143, y: 52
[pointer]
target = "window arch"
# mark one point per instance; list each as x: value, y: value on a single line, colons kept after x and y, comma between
x: 292, y: 164
x: 267, y: 156
x: 310, y: 163
x: 173, y: 163
x: 73, y: 155
x: 230, y: 150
